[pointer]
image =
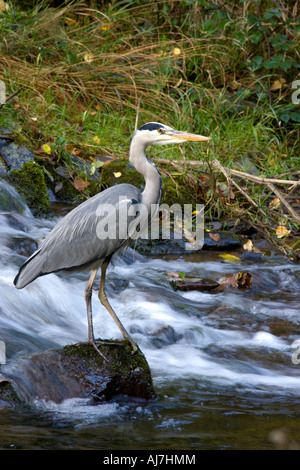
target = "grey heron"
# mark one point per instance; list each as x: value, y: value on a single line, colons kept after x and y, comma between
x: 74, y: 243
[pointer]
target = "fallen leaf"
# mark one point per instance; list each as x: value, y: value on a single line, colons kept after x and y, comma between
x: 176, y: 51
x: 282, y: 231
x: 80, y: 184
x: 95, y: 165
x: 248, y: 246
x: 215, y: 236
x: 96, y: 139
x: 117, y: 174
x: 230, y: 258
x: 277, y: 84
x: 275, y: 204
x: 173, y: 274
x: 89, y: 57
x: 241, y: 280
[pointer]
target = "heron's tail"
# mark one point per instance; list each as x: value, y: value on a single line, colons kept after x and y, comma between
x: 30, y: 270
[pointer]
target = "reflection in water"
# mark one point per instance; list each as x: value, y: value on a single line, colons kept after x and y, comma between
x: 221, y: 362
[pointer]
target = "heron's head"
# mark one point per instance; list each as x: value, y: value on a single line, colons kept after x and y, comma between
x: 159, y: 134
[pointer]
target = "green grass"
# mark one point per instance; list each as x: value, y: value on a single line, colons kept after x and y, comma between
x: 199, y: 66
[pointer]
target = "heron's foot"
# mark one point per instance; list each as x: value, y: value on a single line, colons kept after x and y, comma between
x: 135, y: 347
x: 93, y: 343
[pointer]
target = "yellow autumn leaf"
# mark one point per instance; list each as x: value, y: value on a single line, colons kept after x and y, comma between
x: 176, y: 51
x: 89, y: 57
x: 117, y: 174
x: 47, y: 149
x: 105, y: 26
x: 282, y: 231
x: 248, y: 246
x: 230, y: 258
x: 96, y: 139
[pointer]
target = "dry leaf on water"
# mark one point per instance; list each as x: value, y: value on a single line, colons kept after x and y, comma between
x: 241, y: 280
x: 230, y: 258
x: 215, y: 236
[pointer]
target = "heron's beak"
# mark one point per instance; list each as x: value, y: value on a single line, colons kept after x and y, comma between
x: 179, y: 135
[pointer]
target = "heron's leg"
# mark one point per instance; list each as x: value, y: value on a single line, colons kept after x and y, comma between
x: 88, y: 300
x: 104, y: 301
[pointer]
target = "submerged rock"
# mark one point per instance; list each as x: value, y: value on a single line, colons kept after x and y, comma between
x: 78, y: 371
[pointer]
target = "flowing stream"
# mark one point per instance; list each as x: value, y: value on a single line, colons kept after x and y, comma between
x: 223, y: 364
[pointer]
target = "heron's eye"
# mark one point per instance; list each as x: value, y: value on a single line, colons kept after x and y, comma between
x: 160, y: 131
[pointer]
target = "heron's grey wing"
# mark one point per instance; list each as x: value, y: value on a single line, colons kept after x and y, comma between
x: 84, y: 237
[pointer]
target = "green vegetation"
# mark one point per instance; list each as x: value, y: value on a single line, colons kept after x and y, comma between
x: 229, y: 70
x: 30, y: 183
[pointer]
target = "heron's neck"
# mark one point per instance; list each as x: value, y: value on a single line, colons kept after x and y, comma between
x: 151, y: 193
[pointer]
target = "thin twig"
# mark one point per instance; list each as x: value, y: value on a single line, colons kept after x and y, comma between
x: 249, y: 199
x: 284, y: 202
x: 11, y: 96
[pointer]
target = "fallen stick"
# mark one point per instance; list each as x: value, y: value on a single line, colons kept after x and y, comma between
x: 11, y: 96
x: 241, y: 174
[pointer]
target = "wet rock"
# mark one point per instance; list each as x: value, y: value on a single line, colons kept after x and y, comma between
x: 202, y: 285
x: 13, y: 155
x: 10, y: 200
x: 78, y: 371
x: 163, y: 335
x: 8, y: 396
x: 225, y: 242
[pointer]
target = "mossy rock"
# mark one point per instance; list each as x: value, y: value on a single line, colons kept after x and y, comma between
x: 29, y: 181
x: 177, y: 189
x: 121, y: 171
x: 8, y: 395
x: 78, y: 371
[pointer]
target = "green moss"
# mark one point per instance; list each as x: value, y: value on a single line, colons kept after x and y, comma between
x: 30, y: 183
x: 178, y: 190
x: 121, y: 171
x: 124, y: 373
x: 8, y: 393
